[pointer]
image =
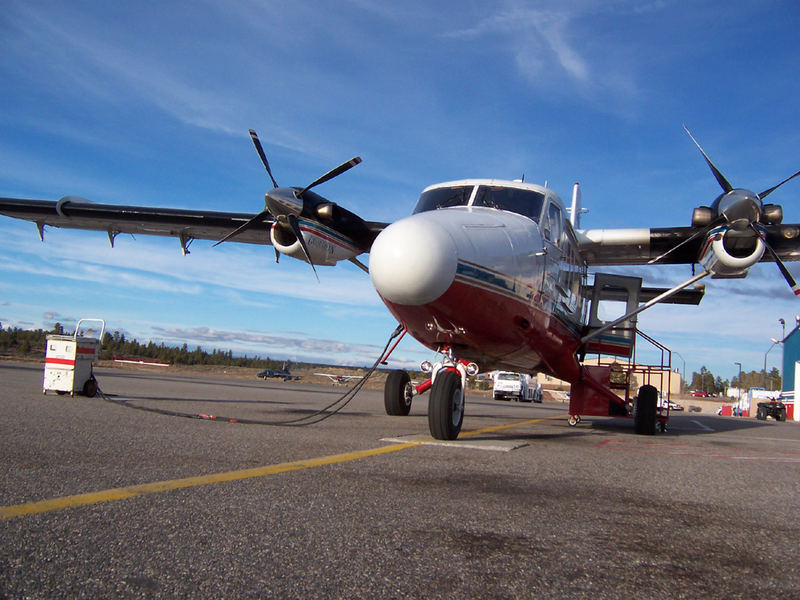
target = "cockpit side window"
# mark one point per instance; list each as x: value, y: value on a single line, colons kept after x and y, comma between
x: 523, y: 202
x: 552, y: 225
x: 443, y: 197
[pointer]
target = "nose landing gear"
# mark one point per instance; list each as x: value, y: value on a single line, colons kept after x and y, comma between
x: 446, y: 405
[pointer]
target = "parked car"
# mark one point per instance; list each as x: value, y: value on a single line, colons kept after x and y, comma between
x: 672, y: 405
x: 700, y: 394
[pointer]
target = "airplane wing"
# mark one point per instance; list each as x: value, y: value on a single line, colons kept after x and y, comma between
x: 602, y: 247
x: 72, y: 212
x: 78, y: 213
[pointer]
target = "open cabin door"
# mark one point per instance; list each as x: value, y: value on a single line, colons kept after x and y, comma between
x: 612, y: 297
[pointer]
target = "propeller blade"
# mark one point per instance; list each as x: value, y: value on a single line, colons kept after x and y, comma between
x: 782, y: 267
x: 726, y: 187
x: 333, y: 173
x: 241, y: 228
x: 295, y: 225
x: 716, y: 222
x: 775, y: 187
x: 260, y: 150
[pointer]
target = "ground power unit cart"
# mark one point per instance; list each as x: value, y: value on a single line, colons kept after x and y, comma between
x: 68, y: 362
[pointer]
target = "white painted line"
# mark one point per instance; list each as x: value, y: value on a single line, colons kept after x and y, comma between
x: 702, y: 426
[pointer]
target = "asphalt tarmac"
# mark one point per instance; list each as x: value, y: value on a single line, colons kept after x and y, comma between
x: 101, y: 500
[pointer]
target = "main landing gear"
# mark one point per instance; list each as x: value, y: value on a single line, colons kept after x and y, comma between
x: 446, y: 404
x: 645, y: 411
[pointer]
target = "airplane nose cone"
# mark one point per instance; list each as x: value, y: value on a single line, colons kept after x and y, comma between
x: 413, y: 262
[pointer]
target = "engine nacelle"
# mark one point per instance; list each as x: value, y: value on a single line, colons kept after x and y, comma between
x: 730, y: 253
x: 325, y: 246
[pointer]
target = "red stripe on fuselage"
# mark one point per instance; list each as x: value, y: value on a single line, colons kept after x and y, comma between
x: 488, y: 327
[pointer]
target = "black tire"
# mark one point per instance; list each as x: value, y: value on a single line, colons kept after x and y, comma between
x: 644, y: 416
x: 781, y: 415
x: 446, y: 406
x: 90, y: 388
x: 761, y: 414
x: 397, y: 394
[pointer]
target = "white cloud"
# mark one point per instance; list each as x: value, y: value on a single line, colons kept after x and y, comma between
x: 154, y: 264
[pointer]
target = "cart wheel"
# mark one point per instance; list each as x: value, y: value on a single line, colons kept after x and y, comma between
x: 90, y: 388
x: 573, y: 420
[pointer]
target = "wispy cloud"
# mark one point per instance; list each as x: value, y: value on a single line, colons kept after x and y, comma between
x: 153, y: 264
x: 553, y: 50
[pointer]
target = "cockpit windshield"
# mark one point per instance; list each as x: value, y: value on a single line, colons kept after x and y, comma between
x: 444, y: 197
x: 523, y: 202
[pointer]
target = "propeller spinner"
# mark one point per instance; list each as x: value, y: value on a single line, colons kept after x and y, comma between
x: 286, y: 204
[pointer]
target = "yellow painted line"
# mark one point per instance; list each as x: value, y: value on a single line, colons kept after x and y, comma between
x: 132, y: 491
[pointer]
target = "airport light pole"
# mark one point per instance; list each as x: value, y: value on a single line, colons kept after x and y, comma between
x: 783, y: 328
x: 739, y: 384
x: 683, y: 376
x: 774, y: 343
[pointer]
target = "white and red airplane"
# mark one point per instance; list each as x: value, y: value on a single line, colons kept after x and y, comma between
x: 490, y: 274
x: 339, y: 379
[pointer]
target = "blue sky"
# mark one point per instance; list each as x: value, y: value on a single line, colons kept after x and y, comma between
x: 150, y: 102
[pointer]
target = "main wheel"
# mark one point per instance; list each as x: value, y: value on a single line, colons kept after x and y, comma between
x: 446, y: 406
x: 397, y: 394
x: 90, y: 387
x: 644, y: 417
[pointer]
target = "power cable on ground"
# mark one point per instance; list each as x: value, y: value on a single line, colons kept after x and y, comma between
x: 310, y: 419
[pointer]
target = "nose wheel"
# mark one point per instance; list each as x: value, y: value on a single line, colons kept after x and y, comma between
x: 446, y: 406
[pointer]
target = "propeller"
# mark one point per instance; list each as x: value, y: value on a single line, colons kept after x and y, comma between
x: 241, y: 228
x: 260, y: 150
x: 782, y: 267
x: 723, y: 183
x: 345, y: 166
x: 293, y: 223
x: 286, y: 204
x: 767, y: 192
x: 741, y: 209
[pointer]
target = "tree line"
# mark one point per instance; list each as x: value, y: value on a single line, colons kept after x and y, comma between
x: 25, y: 342
x: 706, y: 381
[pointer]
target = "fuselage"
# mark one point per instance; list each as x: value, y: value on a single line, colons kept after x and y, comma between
x: 489, y: 269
